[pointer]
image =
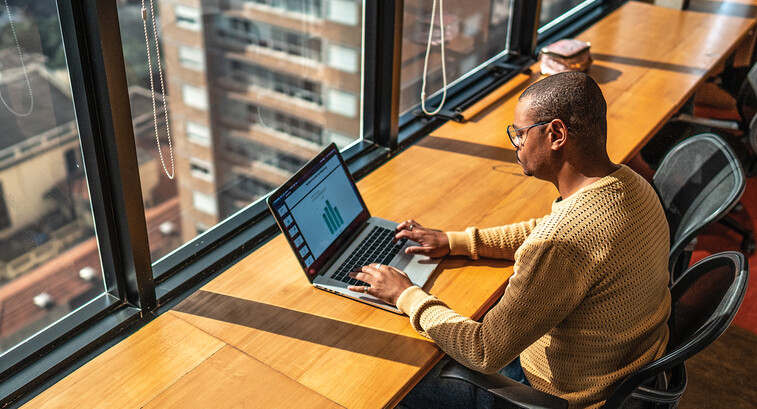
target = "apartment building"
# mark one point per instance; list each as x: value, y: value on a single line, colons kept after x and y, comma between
x: 257, y: 88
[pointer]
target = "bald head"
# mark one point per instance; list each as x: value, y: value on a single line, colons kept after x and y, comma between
x: 576, y: 99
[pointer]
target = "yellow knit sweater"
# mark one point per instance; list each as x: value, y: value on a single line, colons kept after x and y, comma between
x: 588, y: 302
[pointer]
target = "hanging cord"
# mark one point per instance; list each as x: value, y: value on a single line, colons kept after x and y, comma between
x: 23, y: 67
x: 162, y: 87
x: 425, y: 63
x: 257, y: 105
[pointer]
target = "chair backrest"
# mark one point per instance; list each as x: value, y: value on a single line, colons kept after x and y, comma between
x: 746, y: 103
x: 699, y: 181
x: 746, y: 98
x: 704, y: 301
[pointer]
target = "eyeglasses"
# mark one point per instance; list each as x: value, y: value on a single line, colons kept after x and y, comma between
x: 514, y: 133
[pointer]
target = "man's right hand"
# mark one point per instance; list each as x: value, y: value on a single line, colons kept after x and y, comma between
x: 433, y: 243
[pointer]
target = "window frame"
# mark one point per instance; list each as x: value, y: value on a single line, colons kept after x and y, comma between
x: 138, y: 289
x: 129, y: 288
x: 576, y: 20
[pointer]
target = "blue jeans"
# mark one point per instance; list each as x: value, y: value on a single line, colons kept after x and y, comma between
x: 434, y: 392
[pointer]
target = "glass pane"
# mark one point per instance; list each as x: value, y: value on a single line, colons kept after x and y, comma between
x: 474, y: 32
x: 552, y: 11
x: 254, y: 89
x: 49, y: 258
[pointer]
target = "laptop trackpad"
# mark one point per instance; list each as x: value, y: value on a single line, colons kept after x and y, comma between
x: 417, y: 267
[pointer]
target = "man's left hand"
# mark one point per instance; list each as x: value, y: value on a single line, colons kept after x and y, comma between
x: 386, y: 283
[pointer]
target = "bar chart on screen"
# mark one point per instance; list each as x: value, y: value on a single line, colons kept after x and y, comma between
x: 332, y: 217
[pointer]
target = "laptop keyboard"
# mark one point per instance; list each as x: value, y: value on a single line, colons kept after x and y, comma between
x: 376, y: 247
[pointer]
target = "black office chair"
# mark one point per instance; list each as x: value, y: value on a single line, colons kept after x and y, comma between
x: 741, y: 134
x: 703, y: 303
x: 698, y: 182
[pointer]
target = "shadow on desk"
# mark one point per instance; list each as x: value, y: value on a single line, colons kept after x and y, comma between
x: 725, y: 8
x: 638, y: 62
x: 604, y: 74
x: 469, y: 148
x: 303, y: 326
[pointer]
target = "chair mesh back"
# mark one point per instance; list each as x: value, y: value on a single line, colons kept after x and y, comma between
x: 703, y: 304
x: 698, y: 181
x: 746, y: 98
x: 695, y: 305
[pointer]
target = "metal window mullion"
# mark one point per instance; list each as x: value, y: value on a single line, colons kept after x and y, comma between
x: 385, y: 41
x: 77, y: 61
x: 117, y: 181
x: 525, y: 23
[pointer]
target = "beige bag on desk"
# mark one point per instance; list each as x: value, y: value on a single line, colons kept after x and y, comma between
x: 565, y: 55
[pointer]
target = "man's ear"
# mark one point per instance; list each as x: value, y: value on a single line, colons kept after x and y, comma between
x: 558, y: 134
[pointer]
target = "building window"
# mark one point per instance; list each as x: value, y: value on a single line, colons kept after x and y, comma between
x: 474, y: 33
x: 254, y: 187
x: 307, y: 7
x: 343, y: 58
x: 289, y: 162
x: 5, y: 220
x: 264, y: 35
x: 342, y: 103
x: 255, y: 75
x: 192, y: 58
x: 195, y: 97
x: 187, y: 17
x: 205, y: 203
x: 198, y: 134
x: 344, y: 12
x: 200, y: 169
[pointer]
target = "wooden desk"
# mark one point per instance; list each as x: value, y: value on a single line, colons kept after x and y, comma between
x: 260, y: 332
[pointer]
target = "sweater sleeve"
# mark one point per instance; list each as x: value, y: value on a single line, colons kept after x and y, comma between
x: 495, y: 242
x: 541, y: 293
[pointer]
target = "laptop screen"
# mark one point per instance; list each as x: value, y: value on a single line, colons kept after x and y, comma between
x: 316, y: 207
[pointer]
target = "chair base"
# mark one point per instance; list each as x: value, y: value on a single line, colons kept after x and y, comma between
x: 747, y: 236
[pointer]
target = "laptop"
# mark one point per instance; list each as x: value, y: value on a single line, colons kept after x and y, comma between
x: 331, y: 232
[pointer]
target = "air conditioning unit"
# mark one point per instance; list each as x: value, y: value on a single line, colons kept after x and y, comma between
x: 44, y: 300
x: 88, y: 273
x: 168, y: 228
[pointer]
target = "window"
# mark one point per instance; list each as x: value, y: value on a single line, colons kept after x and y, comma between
x: 47, y: 228
x: 205, y: 203
x: 342, y: 103
x: 192, y: 58
x: 198, y: 134
x: 194, y: 97
x: 253, y: 82
x: 553, y: 10
x: 200, y: 169
x: 5, y: 220
x: 265, y: 35
x: 343, y: 58
x: 187, y: 17
x: 474, y: 33
x: 305, y: 7
x: 251, y: 74
x: 343, y: 12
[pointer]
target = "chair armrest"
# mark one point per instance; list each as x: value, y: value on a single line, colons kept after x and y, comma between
x: 514, y: 392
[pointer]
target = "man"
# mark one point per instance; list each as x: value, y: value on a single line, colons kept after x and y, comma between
x: 588, y: 302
